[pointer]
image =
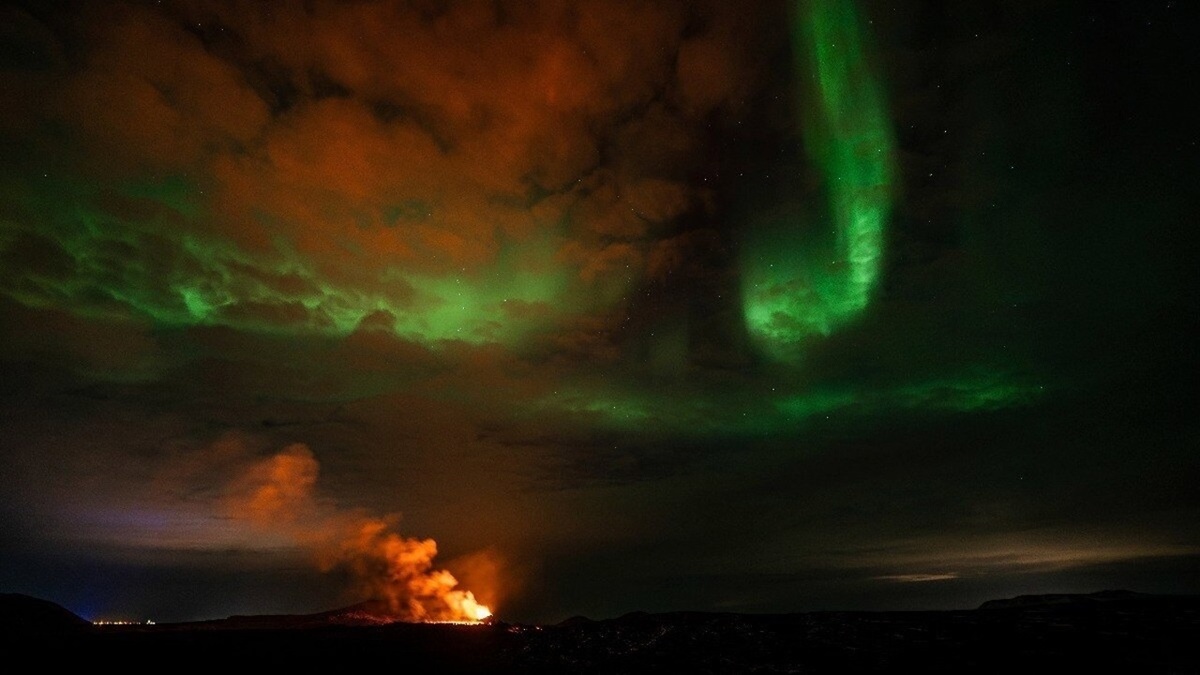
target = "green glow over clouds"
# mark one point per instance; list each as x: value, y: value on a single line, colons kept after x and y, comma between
x: 144, y: 264
x: 757, y: 413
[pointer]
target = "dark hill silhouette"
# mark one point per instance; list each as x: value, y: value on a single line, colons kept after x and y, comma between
x: 1112, y: 631
x: 1081, y: 600
x: 26, y: 614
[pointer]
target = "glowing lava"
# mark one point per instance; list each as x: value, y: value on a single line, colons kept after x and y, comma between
x: 473, y: 609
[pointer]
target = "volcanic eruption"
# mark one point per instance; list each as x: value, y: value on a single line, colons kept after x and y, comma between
x: 394, y: 575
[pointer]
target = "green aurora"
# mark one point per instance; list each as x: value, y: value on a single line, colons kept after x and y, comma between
x: 146, y: 265
x: 683, y: 414
x: 796, y: 284
x: 157, y: 262
x: 729, y: 307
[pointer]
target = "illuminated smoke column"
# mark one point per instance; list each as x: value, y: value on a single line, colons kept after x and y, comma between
x: 394, y: 574
x: 794, y: 286
x: 397, y: 574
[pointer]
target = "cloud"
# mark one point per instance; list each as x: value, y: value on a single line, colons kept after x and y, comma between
x: 148, y: 95
x: 278, y: 489
x: 918, y: 578
x: 303, y: 168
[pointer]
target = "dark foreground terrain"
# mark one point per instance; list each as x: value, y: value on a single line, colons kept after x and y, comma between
x: 1113, y: 631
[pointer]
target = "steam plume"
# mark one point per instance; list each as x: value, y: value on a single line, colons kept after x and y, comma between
x: 396, y: 574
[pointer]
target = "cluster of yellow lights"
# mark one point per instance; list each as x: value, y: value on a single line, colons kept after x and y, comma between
x: 107, y: 622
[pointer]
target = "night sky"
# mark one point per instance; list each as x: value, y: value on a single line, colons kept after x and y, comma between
x: 768, y: 306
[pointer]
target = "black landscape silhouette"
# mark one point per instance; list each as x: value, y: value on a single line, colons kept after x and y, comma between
x: 1110, y: 631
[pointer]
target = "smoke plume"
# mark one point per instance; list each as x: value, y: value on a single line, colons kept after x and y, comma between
x: 396, y: 575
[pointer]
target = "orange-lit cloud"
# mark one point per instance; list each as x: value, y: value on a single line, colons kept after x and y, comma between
x: 276, y: 490
x: 918, y: 578
x: 330, y: 154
